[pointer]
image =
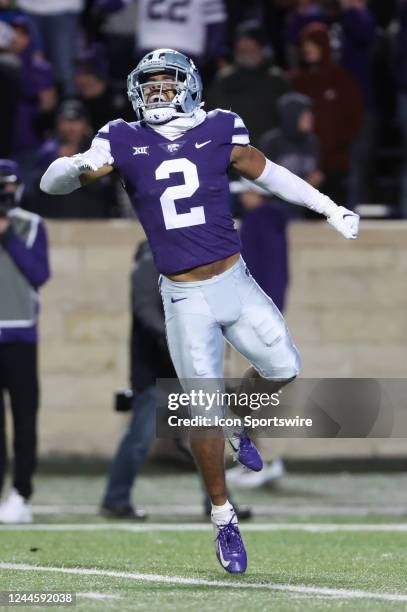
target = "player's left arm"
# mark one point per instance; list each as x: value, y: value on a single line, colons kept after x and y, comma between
x: 250, y: 163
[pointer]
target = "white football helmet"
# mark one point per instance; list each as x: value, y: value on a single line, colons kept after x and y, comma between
x: 184, y: 78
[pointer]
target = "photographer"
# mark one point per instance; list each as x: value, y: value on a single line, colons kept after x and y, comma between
x: 149, y: 360
x: 23, y: 269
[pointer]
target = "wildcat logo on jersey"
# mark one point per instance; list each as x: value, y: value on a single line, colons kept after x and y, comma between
x: 140, y: 150
x: 172, y: 147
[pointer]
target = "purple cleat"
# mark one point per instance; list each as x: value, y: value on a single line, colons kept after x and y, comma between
x: 246, y: 452
x: 230, y: 549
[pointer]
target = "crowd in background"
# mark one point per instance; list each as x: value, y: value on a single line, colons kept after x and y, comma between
x: 321, y: 86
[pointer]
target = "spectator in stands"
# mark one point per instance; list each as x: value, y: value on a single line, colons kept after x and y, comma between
x: 264, y: 221
x: 73, y: 135
x: 357, y: 37
x: 337, y: 104
x: 402, y: 100
x: 150, y: 359
x: 294, y: 144
x: 117, y: 22
x: 92, y: 81
x: 57, y: 22
x: 9, y: 13
x: 196, y: 28
x: 37, y: 100
x: 273, y: 17
x: 358, y: 34
x: 9, y: 87
x: 23, y: 270
x: 264, y: 243
x: 304, y: 12
x: 252, y: 86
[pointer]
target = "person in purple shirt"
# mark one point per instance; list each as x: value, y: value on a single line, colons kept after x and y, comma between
x: 73, y: 134
x: 304, y: 12
x: 24, y: 268
x: 263, y: 234
x: 357, y: 37
x: 37, y: 100
x: 174, y: 161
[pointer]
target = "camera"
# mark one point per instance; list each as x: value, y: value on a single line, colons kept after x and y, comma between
x: 123, y: 400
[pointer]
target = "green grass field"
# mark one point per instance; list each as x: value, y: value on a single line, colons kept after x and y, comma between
x: 334, y: 542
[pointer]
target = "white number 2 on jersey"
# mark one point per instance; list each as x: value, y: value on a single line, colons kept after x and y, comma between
x: 172, y: 219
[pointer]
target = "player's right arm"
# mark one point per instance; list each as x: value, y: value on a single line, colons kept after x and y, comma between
x: 66, y: 174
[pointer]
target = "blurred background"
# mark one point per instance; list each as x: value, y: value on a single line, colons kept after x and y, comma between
x: 347, y: 56
x: 322, y: 88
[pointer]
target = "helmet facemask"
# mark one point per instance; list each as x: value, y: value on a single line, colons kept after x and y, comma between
x: 176, y: 93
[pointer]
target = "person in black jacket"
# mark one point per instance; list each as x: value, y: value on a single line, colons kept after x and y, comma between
x: 294, y: 144
x: 252, y: 76
x: 149, y: 360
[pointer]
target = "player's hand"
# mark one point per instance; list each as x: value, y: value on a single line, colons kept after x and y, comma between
x: 345, y: 222
x: 92, y: 160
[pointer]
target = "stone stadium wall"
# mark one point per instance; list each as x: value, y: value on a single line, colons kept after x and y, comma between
x: 347, y: 313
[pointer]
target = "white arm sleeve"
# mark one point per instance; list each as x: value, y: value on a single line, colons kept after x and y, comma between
x: 63, y: 174
x: 292, y: 188
x: 61, y: 177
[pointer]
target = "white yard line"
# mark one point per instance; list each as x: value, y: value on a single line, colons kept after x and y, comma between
x: 200, y: 582
x: 152, y: 527
x: 275, y: 509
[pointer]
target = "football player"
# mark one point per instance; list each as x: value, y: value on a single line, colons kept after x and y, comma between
x: 174, y: 162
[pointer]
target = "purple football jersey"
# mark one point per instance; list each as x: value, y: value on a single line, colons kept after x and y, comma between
x: 179, y: 188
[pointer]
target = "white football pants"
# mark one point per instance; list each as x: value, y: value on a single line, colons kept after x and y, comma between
x: 200, y: 314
